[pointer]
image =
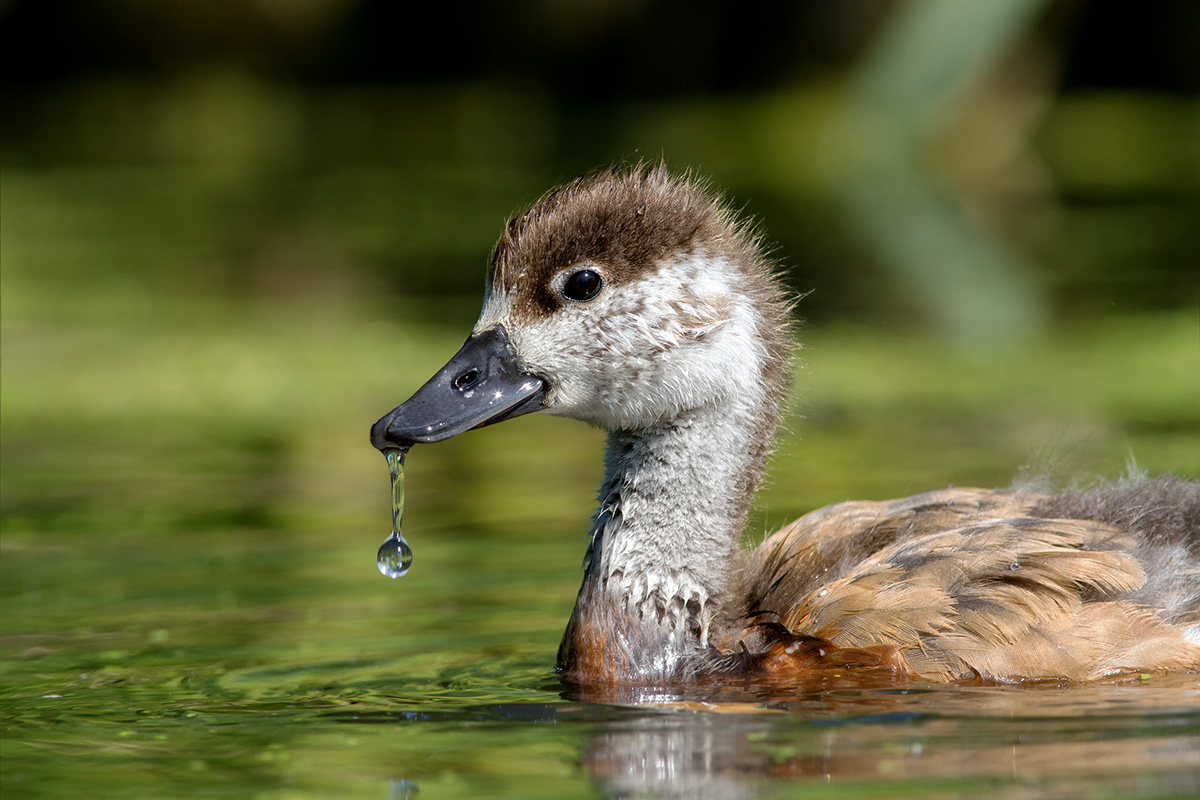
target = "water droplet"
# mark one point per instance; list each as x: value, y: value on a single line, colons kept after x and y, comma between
x: 395, y: 556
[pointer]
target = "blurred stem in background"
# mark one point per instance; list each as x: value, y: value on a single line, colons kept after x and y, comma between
x: 973, y: 287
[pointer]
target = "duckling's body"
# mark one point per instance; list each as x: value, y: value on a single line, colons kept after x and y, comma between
x: 1007, y: 585
x: 636, y: 302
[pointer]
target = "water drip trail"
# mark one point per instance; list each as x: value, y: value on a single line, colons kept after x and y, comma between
x: 395, y: 556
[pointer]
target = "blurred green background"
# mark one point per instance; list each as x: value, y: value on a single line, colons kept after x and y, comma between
x: 233, y: 233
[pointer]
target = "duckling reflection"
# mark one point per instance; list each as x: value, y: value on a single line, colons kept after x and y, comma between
x: 680, y: 755
x: 839, y: 738
x: 637, y: 302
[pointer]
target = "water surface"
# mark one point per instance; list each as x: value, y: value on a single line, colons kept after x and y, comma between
x: 278, y: 663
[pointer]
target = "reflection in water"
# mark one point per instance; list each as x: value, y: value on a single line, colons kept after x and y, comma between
x: 1049, y: 741
x: 694, y: 755
x: 402, y: 789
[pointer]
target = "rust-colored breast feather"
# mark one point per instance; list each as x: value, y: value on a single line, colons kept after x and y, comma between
x: 965, y: 582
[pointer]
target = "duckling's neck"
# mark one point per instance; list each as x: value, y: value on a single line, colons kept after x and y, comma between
x: 664, y: 548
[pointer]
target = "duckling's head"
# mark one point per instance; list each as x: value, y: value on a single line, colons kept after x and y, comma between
x: 625, y: 299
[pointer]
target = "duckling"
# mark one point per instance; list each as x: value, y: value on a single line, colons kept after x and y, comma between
x: 638, y: 302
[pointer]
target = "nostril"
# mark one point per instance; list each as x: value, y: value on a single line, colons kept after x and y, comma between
x: 467, y: 379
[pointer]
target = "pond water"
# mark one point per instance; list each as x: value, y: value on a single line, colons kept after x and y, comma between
x: 280, y: 664
x: 272, y: 660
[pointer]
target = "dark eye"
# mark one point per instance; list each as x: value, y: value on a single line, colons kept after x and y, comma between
x: 583, y: 285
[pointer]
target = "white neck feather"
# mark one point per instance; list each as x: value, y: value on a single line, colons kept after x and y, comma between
x: 673, y: 505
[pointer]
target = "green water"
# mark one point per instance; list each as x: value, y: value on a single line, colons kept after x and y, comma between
x: 190, y: 505
x: 242, y: 662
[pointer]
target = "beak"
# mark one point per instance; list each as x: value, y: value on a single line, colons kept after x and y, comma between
x: 483, y: 383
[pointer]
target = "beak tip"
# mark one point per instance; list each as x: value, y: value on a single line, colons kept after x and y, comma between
x: 379, y: 434
x: 383, y: 438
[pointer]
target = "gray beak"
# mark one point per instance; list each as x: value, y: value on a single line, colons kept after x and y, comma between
x: 483, y: 383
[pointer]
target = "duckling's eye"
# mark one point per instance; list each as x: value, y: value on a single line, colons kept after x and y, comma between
x: 583, y: 285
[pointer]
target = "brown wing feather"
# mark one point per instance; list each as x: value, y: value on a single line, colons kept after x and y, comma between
x: 823, y: 545
x: 963, y: 582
